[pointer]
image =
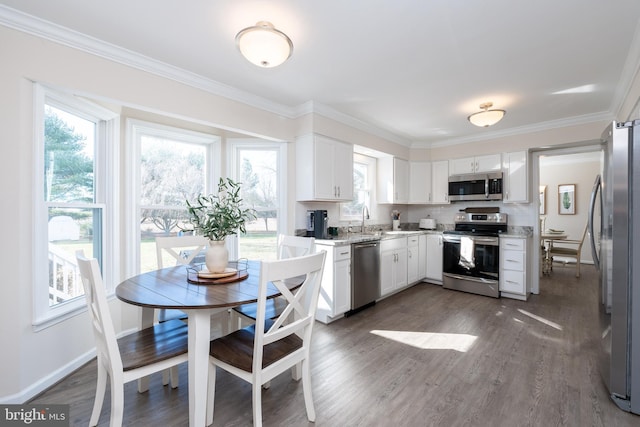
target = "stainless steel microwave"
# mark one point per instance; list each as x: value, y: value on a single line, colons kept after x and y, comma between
x: 475, y: 186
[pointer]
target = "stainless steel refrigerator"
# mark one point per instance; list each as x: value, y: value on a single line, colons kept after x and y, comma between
x: 617, y: 195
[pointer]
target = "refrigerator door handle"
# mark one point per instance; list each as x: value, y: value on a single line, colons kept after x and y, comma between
x: 597, y: 186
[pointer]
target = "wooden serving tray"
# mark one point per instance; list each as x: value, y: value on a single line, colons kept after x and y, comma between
x: 197, y: 280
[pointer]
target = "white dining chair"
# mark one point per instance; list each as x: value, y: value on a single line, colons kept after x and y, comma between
x: 131, y: 357
x: 260, y: 352
x: 288, y: 247
x: 568, y: 249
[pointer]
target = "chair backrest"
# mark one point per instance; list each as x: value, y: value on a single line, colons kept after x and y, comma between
x: 295, y: 246
x: 103, y: 331
x: 299, y: 314
x: 194, y: 244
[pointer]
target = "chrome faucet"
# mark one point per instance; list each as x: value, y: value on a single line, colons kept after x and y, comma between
x: 365, y: 215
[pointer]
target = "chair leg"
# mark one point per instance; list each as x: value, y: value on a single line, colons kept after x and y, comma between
x: 257, y: 404
x: 211, y: 393
x: 117, y: 400
x: 578, y: 267
x: 101, y: 388
x: 166, y: 376
x: 306, y: 388
x: 173, y: 373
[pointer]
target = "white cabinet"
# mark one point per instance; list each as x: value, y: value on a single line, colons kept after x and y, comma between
x: 335, y: 294
x: 413, y: 259
x: 513, y: 268
x: 393, y: 265
x: 434, y: 258
x: 440, y: 182
x: 492, y: 162
x: 420, y: 191
x: 516, y: 177
x: 422, y: 256
x: 393, y: 180
x: 325, y: 169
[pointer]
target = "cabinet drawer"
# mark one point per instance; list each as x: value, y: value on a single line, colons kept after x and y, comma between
x: 512, y: 281
x: 412, y: 240
x: 512, y: 260
x: 342, y: 252
x: 514, y: 244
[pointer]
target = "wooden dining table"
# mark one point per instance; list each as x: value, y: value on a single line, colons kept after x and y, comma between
x: 169, y: 288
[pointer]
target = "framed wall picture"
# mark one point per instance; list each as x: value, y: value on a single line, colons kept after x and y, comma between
x: 543, y: 200
x: 567, y: 199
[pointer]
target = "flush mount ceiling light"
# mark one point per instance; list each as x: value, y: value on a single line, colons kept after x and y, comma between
x: 263, y: 45
x: 486, y: 117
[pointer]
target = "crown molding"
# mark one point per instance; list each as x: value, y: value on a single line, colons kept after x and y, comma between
x: 56, y: 33
x: 537, y: 127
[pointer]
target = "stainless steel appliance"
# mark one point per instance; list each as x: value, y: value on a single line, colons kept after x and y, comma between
x: 365, y: 275
x: 618, y: 261
x: 480, y: 186
x: 471, y: 253
x: 317, y: 224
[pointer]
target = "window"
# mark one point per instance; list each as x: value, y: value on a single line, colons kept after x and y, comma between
x: 173, y: 165
x: 363, y: 182
x: 72, y: 138
x: 258, y: 165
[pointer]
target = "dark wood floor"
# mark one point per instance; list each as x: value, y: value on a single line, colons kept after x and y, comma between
x: 497, y: 362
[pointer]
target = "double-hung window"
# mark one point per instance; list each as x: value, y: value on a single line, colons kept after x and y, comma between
x: 73, y: 176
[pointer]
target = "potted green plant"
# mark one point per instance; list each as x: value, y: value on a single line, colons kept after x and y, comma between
x: 217, y: 216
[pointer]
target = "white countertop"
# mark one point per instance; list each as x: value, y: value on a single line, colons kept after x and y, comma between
x: 347, y: 239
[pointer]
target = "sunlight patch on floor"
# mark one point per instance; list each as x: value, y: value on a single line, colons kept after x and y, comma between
x: 541, y: 319
x: 430, y: 340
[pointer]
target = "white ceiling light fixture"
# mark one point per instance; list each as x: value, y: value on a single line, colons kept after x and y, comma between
x: 264, y: 45
x: 486, y: 117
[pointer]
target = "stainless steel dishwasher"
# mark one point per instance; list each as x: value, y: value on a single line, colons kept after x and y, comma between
x: 365, y: 275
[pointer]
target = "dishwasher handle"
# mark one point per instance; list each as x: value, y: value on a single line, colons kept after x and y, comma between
x: 366, y: 245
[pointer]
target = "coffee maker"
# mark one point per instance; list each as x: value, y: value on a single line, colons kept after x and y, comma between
x: 317, y: 224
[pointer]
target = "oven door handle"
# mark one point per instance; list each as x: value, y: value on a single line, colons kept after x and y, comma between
x: 491, y: 241
x: 470, y: 278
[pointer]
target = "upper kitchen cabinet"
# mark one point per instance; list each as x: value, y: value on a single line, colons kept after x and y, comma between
x: 420, y: 191
x: 515, y: 177
x: 393, y: 180
x: 440, y: 182
x: 331, y: 176
x: 492, y: 162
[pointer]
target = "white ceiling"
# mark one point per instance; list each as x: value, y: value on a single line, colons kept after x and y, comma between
x: 412, y: 69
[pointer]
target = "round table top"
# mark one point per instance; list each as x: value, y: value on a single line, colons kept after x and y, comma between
x: 168, y: 288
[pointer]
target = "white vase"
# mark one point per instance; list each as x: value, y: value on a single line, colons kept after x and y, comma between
x: 217, y: 256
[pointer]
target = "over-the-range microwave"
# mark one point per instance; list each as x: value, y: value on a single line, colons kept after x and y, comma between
x: 475, y: 186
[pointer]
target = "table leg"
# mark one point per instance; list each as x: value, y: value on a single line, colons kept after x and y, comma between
x: 199, y: 333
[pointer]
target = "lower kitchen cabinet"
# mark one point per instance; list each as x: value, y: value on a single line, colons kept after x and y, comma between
x: 514, y: 281
x: 335, y: 293
x: 413, y: 259
x: 393, y: 265
x: 422, y: 256
x: 434, y: 258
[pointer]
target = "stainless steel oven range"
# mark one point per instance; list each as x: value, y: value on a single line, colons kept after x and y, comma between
x: 471, y: 253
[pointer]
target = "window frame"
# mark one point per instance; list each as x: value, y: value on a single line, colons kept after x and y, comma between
x: 234, y: 169
x: 371, y: 164
x: 105, y: 155
x: 136, y: 128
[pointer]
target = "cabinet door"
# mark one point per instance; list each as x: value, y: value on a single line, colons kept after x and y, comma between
x: 516, y: 177
x: 324, y: 186
x: 400, y: 181
x: 343, y: 170
x: 422, y: 256
x: 464, y: 165
x: 419, y: 182
x: 413, y: 264
x: 512, y: 282
x: 387, y: 266
x: 342, y: 283
x: 434, y: 257
x: 400, y: 280
x: 492, y: 162
x: 440, y: 182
